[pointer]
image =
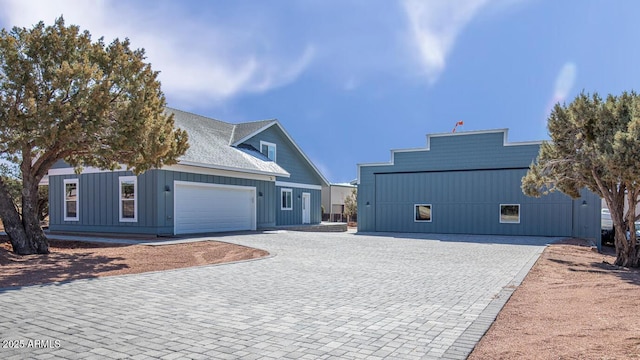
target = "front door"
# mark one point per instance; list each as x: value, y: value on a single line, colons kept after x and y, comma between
x: 306, y: 208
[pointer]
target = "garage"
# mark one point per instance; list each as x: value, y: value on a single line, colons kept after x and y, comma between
x: 200, y: 207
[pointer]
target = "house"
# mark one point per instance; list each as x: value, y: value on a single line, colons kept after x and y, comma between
x: 243, y: 176
x: 333, y: 200
x: 468, y: 183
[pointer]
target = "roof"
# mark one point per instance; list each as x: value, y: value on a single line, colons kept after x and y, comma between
x: 209, y: 145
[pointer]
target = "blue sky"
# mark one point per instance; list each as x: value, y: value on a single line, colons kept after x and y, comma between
x: 352, y: 79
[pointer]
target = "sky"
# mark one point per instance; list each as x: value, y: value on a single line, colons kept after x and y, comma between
x: 352, y: 79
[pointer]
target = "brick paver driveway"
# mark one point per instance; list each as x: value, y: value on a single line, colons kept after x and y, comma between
x: 321, y: 295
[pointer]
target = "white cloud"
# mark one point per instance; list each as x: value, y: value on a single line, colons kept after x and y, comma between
x: 434, y: 27
x: 200, y: 63
x: 564, y: 82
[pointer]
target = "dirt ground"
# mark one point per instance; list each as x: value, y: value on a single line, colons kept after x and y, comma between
x: 71, y: 260
x: 573, y: 304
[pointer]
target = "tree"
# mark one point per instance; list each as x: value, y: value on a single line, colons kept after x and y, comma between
x: 63, y: 96
x: 595, y: 144
x: 351, y: 204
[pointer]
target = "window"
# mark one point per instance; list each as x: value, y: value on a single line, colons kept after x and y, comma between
x: 268, y: 149
x: 510, y: 213
x: 422, y: 213
x: 71, y: 200
x: 128, y: 186
x: 286, y: 196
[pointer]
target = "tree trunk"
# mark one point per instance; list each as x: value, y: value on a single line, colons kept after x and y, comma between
x: 24, y: 232
x: 627, y: 254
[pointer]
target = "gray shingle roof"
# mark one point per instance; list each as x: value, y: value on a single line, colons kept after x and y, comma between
x: 209, y: 144
x: 243, y: 130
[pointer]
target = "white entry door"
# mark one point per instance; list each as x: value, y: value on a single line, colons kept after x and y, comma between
x: 306, y: 208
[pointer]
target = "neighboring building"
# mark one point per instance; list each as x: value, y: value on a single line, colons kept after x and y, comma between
x: 468, y: 183
x: 233, y: 177
x: 333, y: 200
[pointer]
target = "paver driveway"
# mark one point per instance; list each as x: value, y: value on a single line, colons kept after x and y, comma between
x: 321, y: 295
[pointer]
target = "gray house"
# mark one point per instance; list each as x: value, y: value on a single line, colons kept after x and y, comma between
x: 468, y: 183
x: 243, y: 176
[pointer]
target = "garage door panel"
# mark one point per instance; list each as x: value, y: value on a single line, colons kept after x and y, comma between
x: 213, y: 208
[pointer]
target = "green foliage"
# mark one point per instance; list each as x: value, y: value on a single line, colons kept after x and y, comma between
x: 594, y: 144
x: 63, y: 96
x: 351, y: 204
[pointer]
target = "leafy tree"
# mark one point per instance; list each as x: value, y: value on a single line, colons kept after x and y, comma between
x: 351, y: 204
x: 595, y: 144
x: 65, y: 97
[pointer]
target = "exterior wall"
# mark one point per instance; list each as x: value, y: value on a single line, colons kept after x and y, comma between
x: 98, y: 206
x: 294, y: 216
x: 465, y: 177
x: 289, y: 158
x: 99, y: 201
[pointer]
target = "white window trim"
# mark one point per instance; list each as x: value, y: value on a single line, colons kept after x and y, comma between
x: 509, y: 222
x: 64, y: 199
x: 282, y: 191
x: 269, y: 144
x: 122, y: 179
x: 415, y: 218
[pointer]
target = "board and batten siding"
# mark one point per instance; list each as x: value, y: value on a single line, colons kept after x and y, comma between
x: 465, y: 177
x: 99, y: 201
x: 287, y: 156
x: 294, y: 216
x: 467, y: 202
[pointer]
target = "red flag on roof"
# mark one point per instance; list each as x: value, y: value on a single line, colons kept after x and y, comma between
x: 458, y: 123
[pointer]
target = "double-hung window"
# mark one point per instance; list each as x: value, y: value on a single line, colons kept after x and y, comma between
x: 71, y: 200
x: 286, y: 196
x: 268, y: 149
x: 128, y: 198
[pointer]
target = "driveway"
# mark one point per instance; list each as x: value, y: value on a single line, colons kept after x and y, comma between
x: 321, y: 295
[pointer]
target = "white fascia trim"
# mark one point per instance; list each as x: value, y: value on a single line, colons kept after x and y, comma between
x: 298, y: 185
x: 240, y: 173
x: 276, y: 122
x: 85, y: 170
x: 185, y: 166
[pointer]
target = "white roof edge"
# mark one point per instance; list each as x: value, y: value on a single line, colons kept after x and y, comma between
x: 230, y: 168
x: 342, y: 184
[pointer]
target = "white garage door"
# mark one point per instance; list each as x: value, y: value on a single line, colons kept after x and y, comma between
x: 200, y: 207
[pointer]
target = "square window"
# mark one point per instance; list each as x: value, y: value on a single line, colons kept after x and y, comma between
x: 422, y: 213
x: 510, y: 213
x: 71, y: 199
x: 286, y: 196
x: 268, y: 149
x: 128, y: 198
